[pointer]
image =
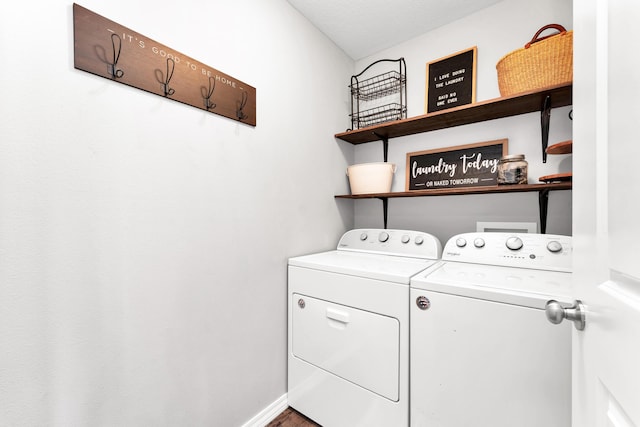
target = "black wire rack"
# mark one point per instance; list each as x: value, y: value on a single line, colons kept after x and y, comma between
x: 391, y: 84
x: 380, y: 114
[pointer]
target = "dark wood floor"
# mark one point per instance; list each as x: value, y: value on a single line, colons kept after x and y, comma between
x: 292, y: 418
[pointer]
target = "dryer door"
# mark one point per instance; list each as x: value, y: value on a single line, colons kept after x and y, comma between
x: 359, y: 346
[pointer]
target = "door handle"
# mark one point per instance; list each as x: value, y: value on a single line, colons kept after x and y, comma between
x: 339, y: 316
x: 557, y: 313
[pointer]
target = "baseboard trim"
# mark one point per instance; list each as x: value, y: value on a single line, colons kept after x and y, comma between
x: 269, y: 413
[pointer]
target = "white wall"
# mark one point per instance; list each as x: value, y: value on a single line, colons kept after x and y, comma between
x: 143, y: 242
x: 496, y: 31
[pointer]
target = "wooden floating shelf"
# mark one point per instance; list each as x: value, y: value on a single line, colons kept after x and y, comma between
x: 516, y: 188
x: 564, y: 147
x: 558, y: 177
x: 526, y: 102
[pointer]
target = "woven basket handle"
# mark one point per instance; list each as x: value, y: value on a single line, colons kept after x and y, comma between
x: 536, y: 38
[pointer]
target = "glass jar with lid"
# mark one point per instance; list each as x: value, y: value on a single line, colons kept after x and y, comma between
x: 512, y: 169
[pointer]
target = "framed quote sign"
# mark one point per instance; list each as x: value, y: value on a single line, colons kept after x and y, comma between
x: 451, y: 81
x: 472, y: 165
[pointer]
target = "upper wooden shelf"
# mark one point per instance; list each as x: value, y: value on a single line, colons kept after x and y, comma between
x: 526, y: 102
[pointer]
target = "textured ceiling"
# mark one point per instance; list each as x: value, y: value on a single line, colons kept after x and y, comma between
x: 364, y: 27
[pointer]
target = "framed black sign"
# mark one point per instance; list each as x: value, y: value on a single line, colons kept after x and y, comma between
x: 451, y: 81
x: 472, y: 165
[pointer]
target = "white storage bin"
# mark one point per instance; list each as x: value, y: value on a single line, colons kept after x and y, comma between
x: 367, y: 178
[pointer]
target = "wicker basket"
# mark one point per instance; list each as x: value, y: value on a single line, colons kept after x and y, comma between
x: 543, y: 62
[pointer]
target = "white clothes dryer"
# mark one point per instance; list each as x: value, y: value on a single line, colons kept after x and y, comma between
x: 348, y: 327
x: 482, y: 351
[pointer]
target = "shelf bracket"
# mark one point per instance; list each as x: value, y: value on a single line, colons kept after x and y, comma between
x: 545, y: 117
x: 543, y: 202
x: 385, y: 144
x: 385, y: 209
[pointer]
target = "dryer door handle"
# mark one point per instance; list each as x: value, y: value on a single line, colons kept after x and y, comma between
x: 337, y: 315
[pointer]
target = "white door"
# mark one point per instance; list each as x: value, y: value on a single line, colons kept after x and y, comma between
x: 606, y: 212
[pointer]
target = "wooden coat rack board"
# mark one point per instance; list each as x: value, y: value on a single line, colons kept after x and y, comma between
x: 113, y: 51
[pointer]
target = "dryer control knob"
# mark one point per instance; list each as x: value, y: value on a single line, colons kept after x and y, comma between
x: 478, y: 243
x: 554, y: 246
x: 460, y: 242
x: 405, y: 239
x: 514, y: 243
x: 383, y: 237
x: 363, y: 236
x: 419, y: 240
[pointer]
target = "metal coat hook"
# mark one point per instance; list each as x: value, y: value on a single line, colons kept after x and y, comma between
x: 207, y: 93
x: 164, y: 81
x: 240, y: 106
x: 111, y: 66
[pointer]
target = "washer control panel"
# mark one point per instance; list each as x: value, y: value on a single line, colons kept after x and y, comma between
x: 408, y: 243
x: 526, y: 250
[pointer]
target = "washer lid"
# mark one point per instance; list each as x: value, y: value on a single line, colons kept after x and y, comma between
x: 526, y: 287
x: 389, y: 268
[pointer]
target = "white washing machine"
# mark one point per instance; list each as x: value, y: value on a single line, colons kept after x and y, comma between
x: 348, y: 327
x: 482, y: 351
